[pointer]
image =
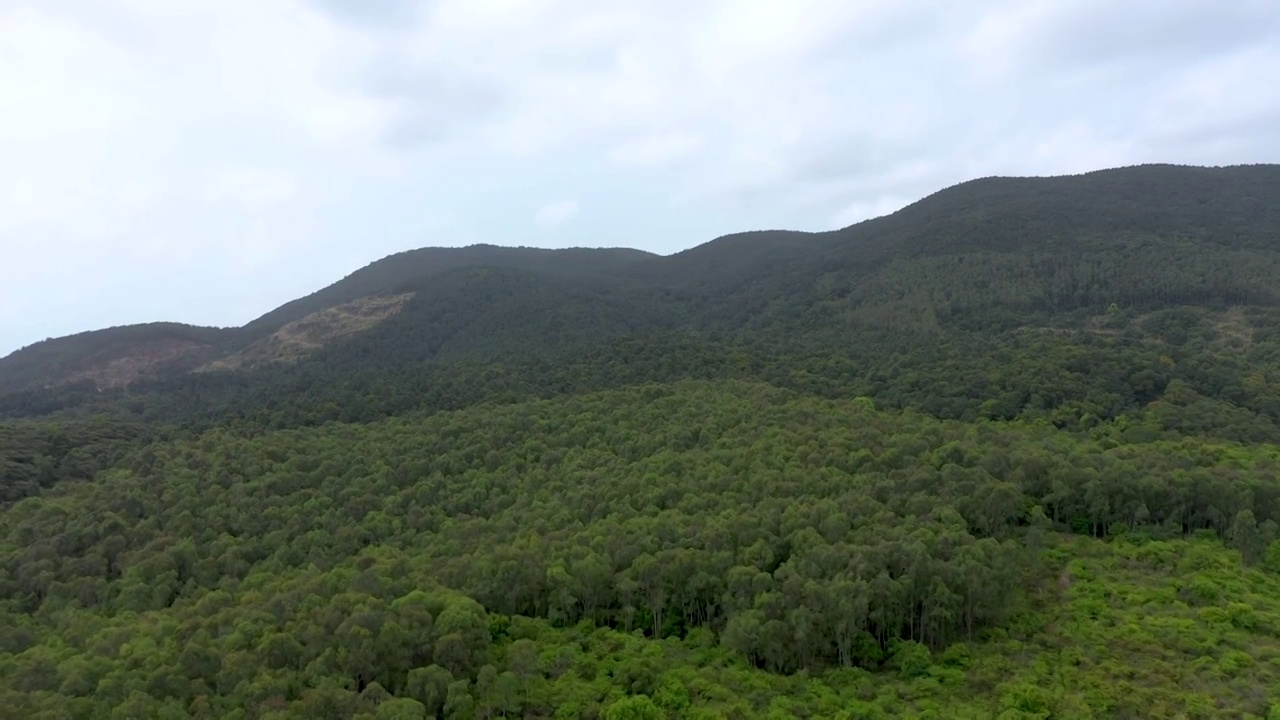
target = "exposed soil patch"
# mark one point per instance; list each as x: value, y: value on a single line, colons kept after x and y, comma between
x: 301, y: 337
x: 142, y: 359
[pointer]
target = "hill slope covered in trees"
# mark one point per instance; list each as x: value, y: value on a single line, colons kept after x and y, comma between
x: 990, y: 254
x: 464, y: 560
x: 1013, y: 451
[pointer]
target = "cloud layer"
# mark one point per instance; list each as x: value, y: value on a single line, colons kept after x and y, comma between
x: 204, y: 161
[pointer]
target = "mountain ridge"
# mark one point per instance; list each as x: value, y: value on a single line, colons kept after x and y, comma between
x: 907, y: 264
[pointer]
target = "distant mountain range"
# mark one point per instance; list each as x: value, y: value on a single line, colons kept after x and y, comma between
x: 990, y: 256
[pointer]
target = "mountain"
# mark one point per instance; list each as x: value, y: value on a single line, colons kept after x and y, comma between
x: 1142, y: 237
x: 409, y: 270
x: 119, y: 356
x: 1129, y: 257
x: 1008, y: 452
x: 111, y: 357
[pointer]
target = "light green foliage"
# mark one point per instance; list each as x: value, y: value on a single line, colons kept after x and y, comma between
x: 314, y: 582
x: 633, y: 707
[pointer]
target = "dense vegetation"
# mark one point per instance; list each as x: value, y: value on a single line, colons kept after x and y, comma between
x: 1012, y: 452
x: 35, y: 456
x: 1205, y: 371
x: 795, y: 534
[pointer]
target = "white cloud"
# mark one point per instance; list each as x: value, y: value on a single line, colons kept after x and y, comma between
x: 652, y: 150
x: 252, y: 187
x: 557, y: 213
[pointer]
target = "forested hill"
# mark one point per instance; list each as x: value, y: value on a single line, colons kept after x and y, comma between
x: 1143, y: 236
x: 409, y: 270
x: 1112, y: 268
x: 120, y: 356
x: 1010, y: 452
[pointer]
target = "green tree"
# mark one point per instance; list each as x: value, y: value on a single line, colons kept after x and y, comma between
x: 1245, y: 537
x: 633, y: 707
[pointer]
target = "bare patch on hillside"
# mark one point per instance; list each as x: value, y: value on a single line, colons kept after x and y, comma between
x: 1231, y: 328
x: 140, y: 360
x: 302, y: 337
x: 1225, y: 330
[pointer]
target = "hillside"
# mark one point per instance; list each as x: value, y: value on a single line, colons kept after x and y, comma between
x: 1012, y: 452
x: 299, y: 338
x: 1005, y: 251
x: 690, y: 546
x: 109, y: 358
x: 995, y: 253
x: 123, y: 355
x: 408, y: 271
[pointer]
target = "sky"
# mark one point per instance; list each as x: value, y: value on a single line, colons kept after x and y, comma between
x: 205, y: 161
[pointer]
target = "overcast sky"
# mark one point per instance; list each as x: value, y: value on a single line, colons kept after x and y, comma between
x: 206, y: 160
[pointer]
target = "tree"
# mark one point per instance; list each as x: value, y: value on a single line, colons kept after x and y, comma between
x: 1245, y: 537
x: 401, y: 709
x: 459, y: 705
x: 633, y: 707
x: 430, y: 686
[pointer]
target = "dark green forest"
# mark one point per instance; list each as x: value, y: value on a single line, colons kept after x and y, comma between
x: 1011, y: 452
